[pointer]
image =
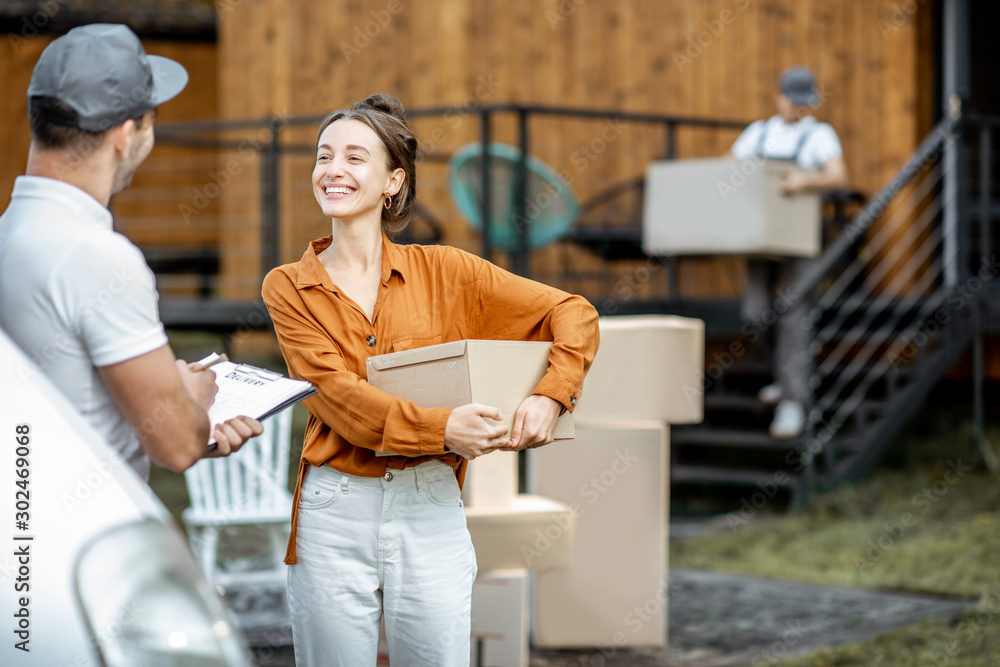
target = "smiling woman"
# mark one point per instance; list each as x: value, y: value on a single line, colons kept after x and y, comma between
x: 368, y: 138
x: 372, y: 535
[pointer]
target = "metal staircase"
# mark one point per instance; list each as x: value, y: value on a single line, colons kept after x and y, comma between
x: 890, y: 309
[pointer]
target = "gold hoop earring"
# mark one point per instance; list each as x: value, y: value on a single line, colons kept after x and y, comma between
x: 388, y: 202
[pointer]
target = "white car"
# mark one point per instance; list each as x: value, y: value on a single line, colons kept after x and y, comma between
x: 92, y: 567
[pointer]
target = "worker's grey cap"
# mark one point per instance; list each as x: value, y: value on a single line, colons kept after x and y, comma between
x: 102, y: 73
x: 799, y: 85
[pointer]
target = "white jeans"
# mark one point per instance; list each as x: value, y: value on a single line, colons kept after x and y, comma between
x: 369, y: 546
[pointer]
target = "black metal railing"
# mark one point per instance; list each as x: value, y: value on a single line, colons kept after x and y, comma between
x: 889, y: 320
x: 274, y: 148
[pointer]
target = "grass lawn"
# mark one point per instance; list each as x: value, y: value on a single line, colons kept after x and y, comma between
x: 926, y: 519
x: 971, y: 641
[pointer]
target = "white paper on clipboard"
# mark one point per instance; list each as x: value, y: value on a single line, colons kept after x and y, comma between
x: 250, y: 391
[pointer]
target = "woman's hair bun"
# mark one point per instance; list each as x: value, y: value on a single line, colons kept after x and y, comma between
x: 384, y: 103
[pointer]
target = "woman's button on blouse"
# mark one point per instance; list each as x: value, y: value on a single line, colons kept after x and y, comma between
x: 371, y: 341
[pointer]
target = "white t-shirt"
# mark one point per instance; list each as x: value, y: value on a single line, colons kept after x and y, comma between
x: 781, y: 140
x: 76, y: 295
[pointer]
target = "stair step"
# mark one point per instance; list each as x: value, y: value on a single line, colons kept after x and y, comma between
x: 848, y: 444
x: 730, y: 438
x: 734, y: 402
x: 690, y: 473
x: 884, y: 329
x: 855, y: 303
x: 872, y: 408
x: 881, y: 367
x: 884, y: 332
x: 750, y: 367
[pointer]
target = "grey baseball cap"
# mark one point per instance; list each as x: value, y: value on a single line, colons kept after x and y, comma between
x: 102, y: 73
x: 799, y: 85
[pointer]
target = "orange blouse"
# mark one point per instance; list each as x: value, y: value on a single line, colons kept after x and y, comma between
x: 428, y: 295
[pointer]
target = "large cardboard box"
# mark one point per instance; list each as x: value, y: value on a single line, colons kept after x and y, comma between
x: 725, y: 206
x: 648, y: 367
x: 530, y: 532
x: 614, y: 593
x: 492, y: 372
x: 501, y: 373
x: 500, y: 619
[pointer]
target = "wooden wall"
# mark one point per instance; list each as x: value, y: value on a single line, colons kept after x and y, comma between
x: 705, y: 58
x: 150, y: 211
x: 17, y: 60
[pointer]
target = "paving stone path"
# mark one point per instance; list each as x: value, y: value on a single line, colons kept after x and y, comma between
x: 723, y: 620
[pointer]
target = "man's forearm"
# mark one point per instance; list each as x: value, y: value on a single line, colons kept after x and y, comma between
x: 172, y: 428
x: 822, y: 180
x: 833, y: 175
x: 176, y: 435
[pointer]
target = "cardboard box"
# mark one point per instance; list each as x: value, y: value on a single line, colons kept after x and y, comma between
x: 725, y: 206
x: 499, y: 373
x: 616, y: 476
x: 531, y: 533
x: 647, y: 367
x: 500, y: 619
x: 491, y: 480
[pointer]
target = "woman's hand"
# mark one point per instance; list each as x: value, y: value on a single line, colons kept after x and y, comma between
x: 232, y: 434
x: 471, y: 431
x: 534, y: 423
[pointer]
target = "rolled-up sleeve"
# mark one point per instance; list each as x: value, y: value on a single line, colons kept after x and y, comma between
x: 515, y: 308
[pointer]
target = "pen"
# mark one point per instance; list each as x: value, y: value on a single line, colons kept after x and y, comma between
x: 222, y: 357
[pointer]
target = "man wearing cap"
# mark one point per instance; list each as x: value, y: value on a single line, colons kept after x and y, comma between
x: 816, y: 163
x: 74, y: 294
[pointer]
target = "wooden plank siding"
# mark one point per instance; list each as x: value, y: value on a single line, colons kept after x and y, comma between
x: 17, y: 60
x: 170, y: 200
x: 197, y: 102
x: 707, y: 58
x: 151, y: 212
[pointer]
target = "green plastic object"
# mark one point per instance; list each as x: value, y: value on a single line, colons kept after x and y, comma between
x: 551, y: 208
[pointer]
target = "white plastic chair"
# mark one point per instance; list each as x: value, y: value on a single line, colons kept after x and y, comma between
x: 245, y: 489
